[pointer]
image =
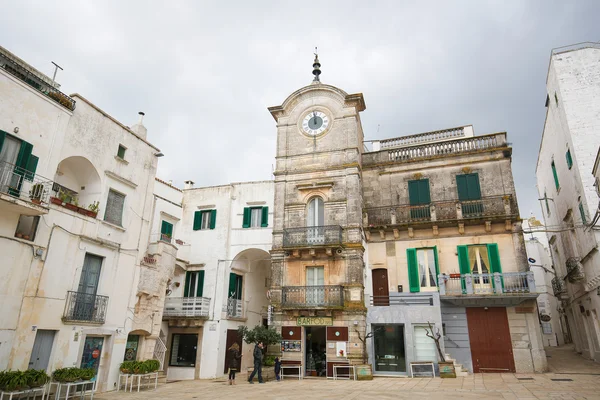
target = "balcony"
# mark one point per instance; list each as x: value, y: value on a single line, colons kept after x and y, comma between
x: 500, y: 207
x: 235, y: 308
x: 559, y: 288
x: 312, y: 296
x: 84, y: 307
x: 23, y: 191
x: 403, y: 299
x: 495, y: 289
x: 186, y: 307
x: 310, y: 236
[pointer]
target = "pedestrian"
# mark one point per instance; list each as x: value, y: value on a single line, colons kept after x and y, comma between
x: 258, y: 354
x: 234, y: 362
x: 277, y: 368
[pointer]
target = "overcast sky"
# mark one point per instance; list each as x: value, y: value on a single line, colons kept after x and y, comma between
x: 205, y: 74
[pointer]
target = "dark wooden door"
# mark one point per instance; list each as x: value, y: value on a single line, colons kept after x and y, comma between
x: 232, y: 337
x: 381, y: 291
x: 491, y: 346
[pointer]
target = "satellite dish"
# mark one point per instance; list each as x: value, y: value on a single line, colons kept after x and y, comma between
x: 531, y: 260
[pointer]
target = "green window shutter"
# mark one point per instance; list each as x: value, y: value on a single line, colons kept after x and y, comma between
x: 413, y: 192
x: 473, y: 187
x: 463, y: 259
x: 547, y: 205
x: 553, y: 166
x: 437, y: 265
x: 197, y: 220
x: 200, y: 280
x: 24, y: 154
x: 186, y: 288
x: 213, y: 218
x: 413, y: 270
x: 232, y: 285
x: 582, y: 213
x: 246, y: 222
x: 461, y: 185
x: 2, y: 136
x: 264, y: 221
x: 31, y: 167
x: 166, y: 228
x: 494, y: 256
x: 569, y: 159
x: 424, y: 195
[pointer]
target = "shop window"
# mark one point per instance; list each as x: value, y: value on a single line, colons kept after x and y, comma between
x: 27, y: 227
x: 424, y: 345
x: 183, y: 350
x: 388, y: 342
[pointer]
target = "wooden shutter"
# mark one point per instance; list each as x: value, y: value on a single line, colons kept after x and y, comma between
x: 437, y: 266
x: 246, y: 221
x: 291, y: 332
x: 265, y: 217
x: 413, y: 270
x: 24, y: 154
x: 553, y: 166
x: 213, y: 218
x: 186, y: 288
x: 494, y: 256
x: 197, y: 220
x: 424, y: 196
x: 413, y: 192
x: 569, y: 159
x: 232, y: 285
x: 114, y: 208
x: 31, y: 167
x: 461, y: 186
x: 336, y: 333
x: 2, y: 136
x: 473, y: 187
x: 463, y: 259
x: 166, y: 228
x: 200, y: 289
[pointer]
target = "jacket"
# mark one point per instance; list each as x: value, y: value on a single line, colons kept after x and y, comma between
x: 234, y: 361
x: 257, y: 355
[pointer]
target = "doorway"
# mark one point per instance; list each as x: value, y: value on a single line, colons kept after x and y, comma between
x: 85, y: 301
x: 232, y: 337
x: 42, y: 348
x: 381, y: 291
x: 315, y: 351
x: 489, y: 335
x: 92, y: 352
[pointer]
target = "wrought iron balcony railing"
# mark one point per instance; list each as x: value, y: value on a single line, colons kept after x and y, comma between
x: 23, y: 184
x: 84, y: 307
x: 186, y: 307
x: 312, y: 296
x: 312, y: 236
x: 501, y: 206
x: 505, y: 283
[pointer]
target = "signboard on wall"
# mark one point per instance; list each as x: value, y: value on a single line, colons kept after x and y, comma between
x: 314, y: 321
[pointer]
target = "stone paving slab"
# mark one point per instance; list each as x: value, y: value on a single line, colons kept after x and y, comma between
x: 480, y: 386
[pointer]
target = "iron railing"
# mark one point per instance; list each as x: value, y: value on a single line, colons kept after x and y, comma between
x: 403, y: 299
x: 186, y: 307
x: 312, y: 296
x: 505, y: 283
x: 84, y: 307
x: 486, y: 207
x: 235, y: 308
x: 160, y: 351
x: 35, y: 81
x: 312, y: 236
x: 23, y: 184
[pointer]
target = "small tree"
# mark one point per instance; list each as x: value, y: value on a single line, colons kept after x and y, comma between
x: 369, y: 335
x: 436, y: 338
x: 259, y: 333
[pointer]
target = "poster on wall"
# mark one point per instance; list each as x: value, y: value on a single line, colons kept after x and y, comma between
x: 291, y: 345
x: 340, y: 349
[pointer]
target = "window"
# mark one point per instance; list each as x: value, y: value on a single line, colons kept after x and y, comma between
x: 556, y: 98
x: 121, y: 152
x: 479, y: 259
x: 166, y: 231
x: 205, y: 219
x: 85, y: 307
x: 423, y: 269
x: 547, y: 205
x: 114, y: 208
x: 235, y: 286
x: 316, y: 212
x: 469, y: 191
x: 16, y: 162
x: 418, y: 194
x: 255, y: 217
x: 553, y: 166
x: 569, y: 159
x: 424, y: 346
x: 546, y: 328
x: 183, y: 350
x: 582, y: 213
x: 194, y: 284
x: 27, y: 227
x: 389, y: 353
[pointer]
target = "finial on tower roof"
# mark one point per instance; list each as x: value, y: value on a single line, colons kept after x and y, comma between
x: 316, y: 67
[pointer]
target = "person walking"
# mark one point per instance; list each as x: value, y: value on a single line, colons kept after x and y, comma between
x: 277, y: 368
x: 258, y: 354
x: 234, y: 362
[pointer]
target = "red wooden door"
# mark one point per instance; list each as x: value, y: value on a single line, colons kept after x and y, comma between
x: 491, y: 346
x: 381, y: 291
x: 232, y: 337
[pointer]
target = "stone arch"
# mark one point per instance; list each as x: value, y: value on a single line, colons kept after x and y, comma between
x: 77, y: 177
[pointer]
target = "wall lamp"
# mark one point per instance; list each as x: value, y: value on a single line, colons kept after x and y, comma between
x: 159, y: 154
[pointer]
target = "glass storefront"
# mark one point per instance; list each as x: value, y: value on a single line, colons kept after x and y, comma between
x: 388, y: 341
x: 183, y: 350
x: 131, y: 348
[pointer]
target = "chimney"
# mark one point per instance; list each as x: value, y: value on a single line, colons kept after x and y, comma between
x: 189, y: 185
x: 139, y: 127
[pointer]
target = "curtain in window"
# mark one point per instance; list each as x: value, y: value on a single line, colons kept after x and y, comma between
x: 114, y: 208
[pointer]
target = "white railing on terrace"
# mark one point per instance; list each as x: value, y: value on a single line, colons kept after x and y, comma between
x: 160, y: 350
x: 186, y: 307
x: 446, y: 134
x: 505, y: 283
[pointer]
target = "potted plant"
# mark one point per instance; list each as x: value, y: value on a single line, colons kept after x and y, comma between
x: 151, y: 366
x: 14, y: 381
x: 92, y: 210
x: 265, y: 335
x: 36, y: 193
x: 127, y: 367
x: 86, y: 374
x: 447, y: 369
x: 66, y: 375
x: 36, y: 378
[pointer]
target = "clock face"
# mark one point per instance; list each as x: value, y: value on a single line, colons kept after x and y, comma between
x: 315, y: 123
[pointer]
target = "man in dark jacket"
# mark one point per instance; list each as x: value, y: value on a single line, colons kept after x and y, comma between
x: 258, y: 354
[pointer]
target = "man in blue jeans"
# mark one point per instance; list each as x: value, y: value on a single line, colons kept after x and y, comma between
x: 258, y: 354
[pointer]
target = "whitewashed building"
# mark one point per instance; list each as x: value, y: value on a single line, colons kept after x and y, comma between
x: 565, y: 183
x: 75, y: 204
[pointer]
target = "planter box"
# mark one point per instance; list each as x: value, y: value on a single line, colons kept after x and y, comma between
x: 364, y: 372
x: 268, y: 374
x: 447, y: 370
x: 56, y: 200
x: 71, y: 207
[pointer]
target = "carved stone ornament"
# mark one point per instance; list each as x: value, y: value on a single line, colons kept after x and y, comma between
x: 575, y: 271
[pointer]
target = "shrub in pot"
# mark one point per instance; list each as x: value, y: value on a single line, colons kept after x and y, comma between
x: 12, y: 381
x: 66, y: 375
x: 87, y: 373
x: 36, y: 378
x: 151, y: 366
x: 127, y: 367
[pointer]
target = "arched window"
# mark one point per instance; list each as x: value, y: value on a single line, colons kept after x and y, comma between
x: 316, y: 212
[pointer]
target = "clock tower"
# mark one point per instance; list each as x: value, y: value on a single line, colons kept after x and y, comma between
x: 318, y: 247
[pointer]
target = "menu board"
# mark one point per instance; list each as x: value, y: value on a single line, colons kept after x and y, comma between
x: 291, y: 345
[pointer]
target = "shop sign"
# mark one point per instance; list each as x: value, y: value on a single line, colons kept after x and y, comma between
x: 314, y: 321
x: 545, y: 318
